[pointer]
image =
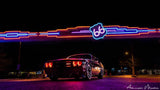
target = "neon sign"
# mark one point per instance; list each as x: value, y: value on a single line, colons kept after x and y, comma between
x: 11, y: 35
x: 98, y: 31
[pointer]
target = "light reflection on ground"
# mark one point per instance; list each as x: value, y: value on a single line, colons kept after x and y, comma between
x: 72, y: 84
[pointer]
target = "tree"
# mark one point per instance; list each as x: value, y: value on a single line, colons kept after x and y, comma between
x: 130, y: 62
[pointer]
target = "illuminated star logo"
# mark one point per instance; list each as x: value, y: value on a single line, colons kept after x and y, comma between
x: 98, y: 31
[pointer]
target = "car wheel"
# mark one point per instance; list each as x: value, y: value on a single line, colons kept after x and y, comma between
x: 100, y: 76
x: 88, y: 72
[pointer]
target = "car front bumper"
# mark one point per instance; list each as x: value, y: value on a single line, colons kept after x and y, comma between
x: 65, y: 72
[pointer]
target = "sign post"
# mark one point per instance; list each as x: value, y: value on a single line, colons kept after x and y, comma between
x: 19, y: 58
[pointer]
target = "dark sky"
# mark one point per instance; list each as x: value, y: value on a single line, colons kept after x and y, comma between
x: 109, y: 51
x: 39, y: 20
x: 72, y: 21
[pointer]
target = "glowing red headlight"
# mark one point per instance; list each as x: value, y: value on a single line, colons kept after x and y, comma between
x: 79, y: 63
x: 46, y: 65
x: 50, y: 64
x: 75, y: 63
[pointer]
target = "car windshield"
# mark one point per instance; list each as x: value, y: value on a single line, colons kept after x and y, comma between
x: 80, y: 56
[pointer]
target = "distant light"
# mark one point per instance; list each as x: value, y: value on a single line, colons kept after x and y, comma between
x: 119, y: 71
x: 126, y: 53
x: 113, y: 69
x: 39, y: 72
x: 125, y: 68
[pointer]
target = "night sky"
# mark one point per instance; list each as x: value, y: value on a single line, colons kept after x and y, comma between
x: 34, y: 54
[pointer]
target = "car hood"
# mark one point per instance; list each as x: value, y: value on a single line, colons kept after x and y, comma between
x: 61, y: 59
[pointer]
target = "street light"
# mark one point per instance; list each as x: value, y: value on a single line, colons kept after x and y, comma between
x: 133, y: 64
x: 126, y: 53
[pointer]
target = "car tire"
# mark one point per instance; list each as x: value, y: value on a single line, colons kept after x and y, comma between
x: 88, y: 75
x: 100, y: 76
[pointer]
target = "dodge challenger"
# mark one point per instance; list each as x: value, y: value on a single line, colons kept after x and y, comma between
x: 83, y: 65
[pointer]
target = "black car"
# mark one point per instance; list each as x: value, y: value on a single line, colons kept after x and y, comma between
x: 78, y: 65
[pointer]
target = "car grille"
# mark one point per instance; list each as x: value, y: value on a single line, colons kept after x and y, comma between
x: 61, y: 64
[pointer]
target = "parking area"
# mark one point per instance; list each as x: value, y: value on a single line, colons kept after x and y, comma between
x: 109, y: 83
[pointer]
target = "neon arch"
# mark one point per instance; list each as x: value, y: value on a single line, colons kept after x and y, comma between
x: 113, y: 32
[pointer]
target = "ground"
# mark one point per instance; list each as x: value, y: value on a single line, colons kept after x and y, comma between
x: 108, y: 83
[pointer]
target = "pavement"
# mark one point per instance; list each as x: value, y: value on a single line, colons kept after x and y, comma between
x: 118, y: 82
x: 130, y: 76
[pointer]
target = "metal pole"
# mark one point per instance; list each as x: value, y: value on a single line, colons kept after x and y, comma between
x: 19, y: 57
x: 133, y: 66
x: 132, y: 60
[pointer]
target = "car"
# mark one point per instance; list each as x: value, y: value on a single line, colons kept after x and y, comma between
x: 83, y: 65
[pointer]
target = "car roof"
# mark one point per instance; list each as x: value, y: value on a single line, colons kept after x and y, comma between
x: 81, y: 54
